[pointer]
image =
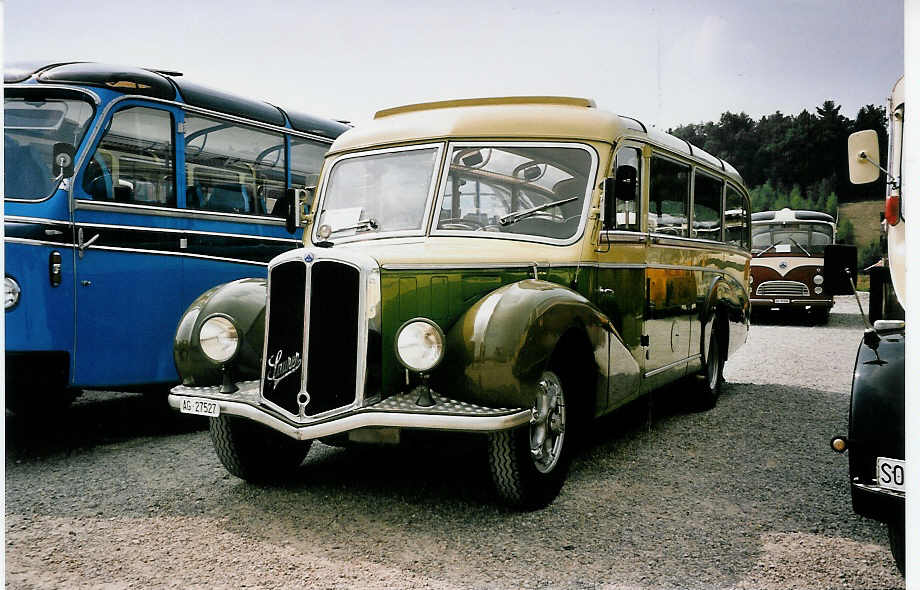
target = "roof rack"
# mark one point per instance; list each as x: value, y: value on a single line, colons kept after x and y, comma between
x: 500, y: 100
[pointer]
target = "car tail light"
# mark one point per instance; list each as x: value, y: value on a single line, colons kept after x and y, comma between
x: 893, y: 210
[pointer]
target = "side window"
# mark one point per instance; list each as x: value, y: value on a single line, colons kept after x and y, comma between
x: 737, y: 215
x: 669, y: 182
x: 623, y: 205
x: 134, y: 160
x: 306, y: 162
x: 231, y: 168
x: 707, y: 207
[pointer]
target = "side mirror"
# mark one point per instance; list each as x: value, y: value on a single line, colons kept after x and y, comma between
x: 296, y: 208
x: 839, y: 268
x: 862, y: 156
x: 62, y: 160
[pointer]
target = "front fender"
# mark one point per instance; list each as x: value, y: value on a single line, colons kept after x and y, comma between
x: 876, y: 424
x: 499, y: 347
x: 244, y: 302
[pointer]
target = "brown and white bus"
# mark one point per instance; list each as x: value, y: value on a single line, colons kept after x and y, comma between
x: 788, y: 261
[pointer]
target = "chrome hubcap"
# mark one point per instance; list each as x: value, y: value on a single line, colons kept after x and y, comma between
x: 547, y: 423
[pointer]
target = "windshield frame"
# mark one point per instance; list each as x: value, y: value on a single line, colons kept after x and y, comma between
x: 779, y: 227
x: 582, y: 222
x: 329, y: 167
x: 56, y: 91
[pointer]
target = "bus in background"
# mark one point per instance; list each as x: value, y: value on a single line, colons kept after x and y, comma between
x: 875, y: 438
x: 127, y: 192
x: 787, y: 266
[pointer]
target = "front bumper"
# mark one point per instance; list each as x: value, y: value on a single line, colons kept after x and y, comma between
x: 398, y: 411
x: 877, y: 503
x: 797, y: 304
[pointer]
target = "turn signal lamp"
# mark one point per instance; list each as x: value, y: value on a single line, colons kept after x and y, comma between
x: 839, y: 444
x: 893, y: 210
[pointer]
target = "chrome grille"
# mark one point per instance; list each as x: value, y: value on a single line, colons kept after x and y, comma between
x: 315, y: 341
x: 782, y: 289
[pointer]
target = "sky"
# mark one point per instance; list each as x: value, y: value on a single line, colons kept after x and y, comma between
x: 664, y: 62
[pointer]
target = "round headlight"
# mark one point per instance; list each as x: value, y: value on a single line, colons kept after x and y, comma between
x: 11, y: 292
x: 324, y: 231
x: 419, y: 345
x: 818, y: 290
x: 819, y: 280
x: 219, y: 338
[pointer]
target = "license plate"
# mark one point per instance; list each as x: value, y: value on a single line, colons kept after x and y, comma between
x: 890, y: 473
x: 780, y: 301
x: 200, y: 407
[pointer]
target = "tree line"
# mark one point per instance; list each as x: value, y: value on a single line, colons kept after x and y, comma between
x: 798, y: 161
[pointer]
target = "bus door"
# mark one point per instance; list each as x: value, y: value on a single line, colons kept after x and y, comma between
x: 236, y: 176
x: 127, y: 233
x: 670, y: 283
x: 620, y: 289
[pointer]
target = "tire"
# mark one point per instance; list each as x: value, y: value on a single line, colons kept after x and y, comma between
x: 820, y: 317
x: 524, y: 479
x: 896, y: 542
x: 254, y: 452
x: 710, y: 377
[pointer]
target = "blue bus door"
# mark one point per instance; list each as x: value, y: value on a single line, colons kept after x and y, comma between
x: 127, y: 234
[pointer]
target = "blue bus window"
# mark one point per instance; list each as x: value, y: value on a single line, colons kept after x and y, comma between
x: 134, y: 160
x: 231, y: 168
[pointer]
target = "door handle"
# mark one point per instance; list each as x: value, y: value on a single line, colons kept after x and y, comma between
x: 81, y: 245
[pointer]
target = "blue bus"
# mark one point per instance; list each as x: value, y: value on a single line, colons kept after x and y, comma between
x: 127, y: 193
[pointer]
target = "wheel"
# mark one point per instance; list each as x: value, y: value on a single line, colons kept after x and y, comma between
x: 710, y: 378
x: 254, y: 452
x: 820, y: 317
x: 896, y: 542
x: 529, y: 464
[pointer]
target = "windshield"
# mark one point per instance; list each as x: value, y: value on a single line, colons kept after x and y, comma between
x: 31, y: 128
x: 381, y: 192
x: 515, y: 189
x: 792, y: 237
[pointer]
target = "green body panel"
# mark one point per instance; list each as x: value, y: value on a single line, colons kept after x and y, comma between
x: 442, y: 296
x: 244, y: 302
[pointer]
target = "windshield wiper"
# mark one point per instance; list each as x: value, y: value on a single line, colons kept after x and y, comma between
x: 801, y: 247
x: 519, y: 215
x: 363, y: 225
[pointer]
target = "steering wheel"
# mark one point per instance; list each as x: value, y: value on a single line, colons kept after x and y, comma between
x: 459, y: 223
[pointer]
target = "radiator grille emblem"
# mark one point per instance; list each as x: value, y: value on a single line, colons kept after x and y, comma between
x: 280, y: 366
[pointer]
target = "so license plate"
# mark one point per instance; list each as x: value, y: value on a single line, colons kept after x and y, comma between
x: 200, y: 407
x: 890, y: 473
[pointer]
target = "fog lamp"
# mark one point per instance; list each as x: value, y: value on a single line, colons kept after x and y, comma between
x: 419, y: 345
x: 324, y: 231
x: 11, y: 292
x: 219, y: 338
x: 819, y: 280
x: 818, y: 290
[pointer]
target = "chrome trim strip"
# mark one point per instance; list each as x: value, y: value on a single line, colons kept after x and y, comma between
x: 36, y: 220
x: 622, y: 236
x: 180, y: 254
x: 187, y: 231
x: 470, y: 266
x: 673, y: 365
x: 365, y: 418
x: 133, y: 208
x: 878, y: 490
x: 37, y: 242
x: 589, y: 191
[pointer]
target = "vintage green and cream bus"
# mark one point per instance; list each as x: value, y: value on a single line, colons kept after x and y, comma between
x: 508, y: 266
x: 787, y: 266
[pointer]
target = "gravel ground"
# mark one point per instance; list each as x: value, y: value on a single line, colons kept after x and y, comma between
x: 121, y: 493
